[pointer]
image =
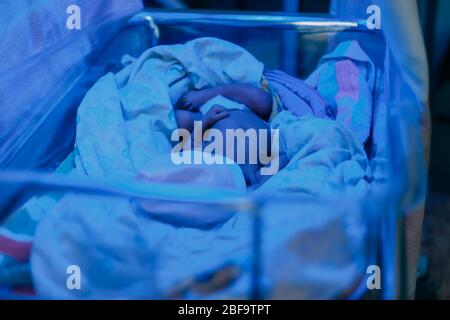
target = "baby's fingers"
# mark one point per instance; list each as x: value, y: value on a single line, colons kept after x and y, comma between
x: 181, y: 103
x: 220, y: 116
x: 192, y: 108
x: 218, y: 108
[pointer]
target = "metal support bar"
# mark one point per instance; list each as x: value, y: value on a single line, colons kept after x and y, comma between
x: 238, y: 19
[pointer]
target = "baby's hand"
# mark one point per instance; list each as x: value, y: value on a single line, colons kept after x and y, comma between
x: 193, y: 100
x: 214, y: 115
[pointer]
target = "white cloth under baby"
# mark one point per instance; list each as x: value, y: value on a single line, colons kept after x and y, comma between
x: 222, y: 101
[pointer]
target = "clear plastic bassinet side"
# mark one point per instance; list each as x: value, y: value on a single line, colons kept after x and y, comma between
x: 42, y: 58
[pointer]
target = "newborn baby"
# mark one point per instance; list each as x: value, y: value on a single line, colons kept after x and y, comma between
x: 253, y: 115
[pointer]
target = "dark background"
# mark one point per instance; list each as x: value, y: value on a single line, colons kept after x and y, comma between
x: 253, y: 5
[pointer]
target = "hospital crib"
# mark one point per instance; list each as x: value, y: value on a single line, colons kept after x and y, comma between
x: 296, y: 44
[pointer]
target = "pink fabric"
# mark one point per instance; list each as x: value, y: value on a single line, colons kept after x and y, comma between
x: 347, y: 78
x: 19, y: 250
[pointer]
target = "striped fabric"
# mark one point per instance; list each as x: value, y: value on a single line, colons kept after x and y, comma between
x: 16, y: 239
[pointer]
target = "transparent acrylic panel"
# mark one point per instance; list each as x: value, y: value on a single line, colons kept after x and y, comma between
x: 126, y: 243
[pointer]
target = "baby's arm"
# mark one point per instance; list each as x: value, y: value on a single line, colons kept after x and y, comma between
x: 256, y: 99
